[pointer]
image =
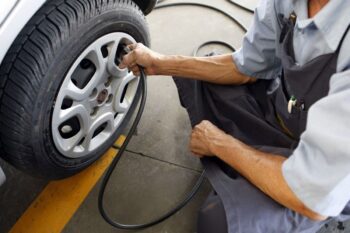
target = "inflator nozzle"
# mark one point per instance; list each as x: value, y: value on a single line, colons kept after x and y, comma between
x: 122, y: 50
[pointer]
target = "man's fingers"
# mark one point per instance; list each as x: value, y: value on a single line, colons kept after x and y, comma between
x: 132, y: 46
x: 122, y: 65
x: 194, y: 145
x: 135, y: 70
x: 128, y: 59
x: 196, y: 151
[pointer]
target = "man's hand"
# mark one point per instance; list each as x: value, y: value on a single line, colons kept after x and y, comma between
x: 140, y: 55
x: 204, y: 135
x: 264, y: 170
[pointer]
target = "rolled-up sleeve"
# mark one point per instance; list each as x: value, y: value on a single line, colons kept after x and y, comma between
x: 318, y: 172
x: 257, y: 56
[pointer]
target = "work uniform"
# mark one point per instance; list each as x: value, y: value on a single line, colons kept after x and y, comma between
x: 298, y: 108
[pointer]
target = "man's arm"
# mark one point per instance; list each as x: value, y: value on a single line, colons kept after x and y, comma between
x: 264, y: 170
x: 216, y: 69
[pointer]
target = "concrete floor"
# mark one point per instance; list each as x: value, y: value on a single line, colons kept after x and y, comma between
x: 158, y: 169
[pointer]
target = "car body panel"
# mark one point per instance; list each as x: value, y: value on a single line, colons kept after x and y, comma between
x: 5, y: 8
x: 14, y: 14
x: 11, y: 25
x: 16, y: 19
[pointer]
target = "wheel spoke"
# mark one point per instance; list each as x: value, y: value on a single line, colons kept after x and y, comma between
x: 75, y: 111
x: 120, y: 105
x: 74, y: 92
x: 106, y: 118
x: 81, y: 113
x: 101, y: 68
x: 87, y: 141
x: 71, y: 143
x: 127, y: 79
x: 96, y: 57
x: 77, y: 94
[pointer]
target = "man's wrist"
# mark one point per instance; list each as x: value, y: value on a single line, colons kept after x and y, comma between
x: 219, y: 143
x: 158, y: 64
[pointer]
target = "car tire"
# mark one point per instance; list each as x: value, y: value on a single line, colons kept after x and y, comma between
x: 33, y: 74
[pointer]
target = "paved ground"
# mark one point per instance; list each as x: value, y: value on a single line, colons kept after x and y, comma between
x: 158, y: 169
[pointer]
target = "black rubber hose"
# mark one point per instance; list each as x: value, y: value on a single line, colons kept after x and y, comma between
x: 166, y: 5
x: 236, y: 3
x: 115, y: 161
x: 195, y: 52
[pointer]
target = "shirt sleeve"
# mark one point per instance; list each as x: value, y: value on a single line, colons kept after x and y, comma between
x: 257, y: 56
x: 318, y: 171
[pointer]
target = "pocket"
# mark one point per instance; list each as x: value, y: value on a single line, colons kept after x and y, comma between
x: 302, y: 121
x: 289, y: 122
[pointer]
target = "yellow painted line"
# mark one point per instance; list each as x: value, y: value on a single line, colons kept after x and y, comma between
x: 57, y: 203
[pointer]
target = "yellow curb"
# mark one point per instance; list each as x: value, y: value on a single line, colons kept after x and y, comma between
x: 57, y: 203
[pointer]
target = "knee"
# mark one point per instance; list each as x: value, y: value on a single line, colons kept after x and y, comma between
x: 212, y: 217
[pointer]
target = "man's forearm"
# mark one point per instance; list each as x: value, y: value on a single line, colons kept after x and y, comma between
x: 216, y: 69
x: 264, y: 170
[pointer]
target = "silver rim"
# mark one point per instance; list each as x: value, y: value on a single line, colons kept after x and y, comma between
x: 94, y: 97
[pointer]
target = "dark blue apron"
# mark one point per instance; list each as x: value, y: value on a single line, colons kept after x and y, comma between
x: 270, y: 116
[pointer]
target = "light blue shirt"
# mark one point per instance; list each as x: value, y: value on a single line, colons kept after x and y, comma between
x: 318, y: 171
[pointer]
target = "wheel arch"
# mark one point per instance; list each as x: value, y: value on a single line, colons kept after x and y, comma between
x: 146, y: 5
x: 12, y: 25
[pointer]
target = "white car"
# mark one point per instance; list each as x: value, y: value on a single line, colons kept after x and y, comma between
x: 63, y: 98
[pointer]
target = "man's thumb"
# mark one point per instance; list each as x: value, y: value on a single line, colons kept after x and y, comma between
x: 124, y: 61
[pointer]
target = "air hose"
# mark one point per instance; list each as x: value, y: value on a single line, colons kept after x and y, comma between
x: 234, y: 2
x: 121, y: 150
x: 115, y: 161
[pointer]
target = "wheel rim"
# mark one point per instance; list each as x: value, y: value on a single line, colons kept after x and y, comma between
x: 94, y: 98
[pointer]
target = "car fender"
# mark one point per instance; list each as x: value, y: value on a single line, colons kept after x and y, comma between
x: 16, y: 13
x: 146, y: 5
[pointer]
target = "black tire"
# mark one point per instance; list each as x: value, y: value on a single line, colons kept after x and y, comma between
x: 34, y: 68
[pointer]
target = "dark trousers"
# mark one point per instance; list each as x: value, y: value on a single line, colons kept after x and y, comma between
x: 212, y: 216
x: 244, y: 112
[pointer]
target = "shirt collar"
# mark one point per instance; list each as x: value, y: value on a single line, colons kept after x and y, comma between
x: 332, y: 20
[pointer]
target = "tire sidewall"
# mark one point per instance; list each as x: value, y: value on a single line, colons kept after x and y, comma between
x: 117, y: 20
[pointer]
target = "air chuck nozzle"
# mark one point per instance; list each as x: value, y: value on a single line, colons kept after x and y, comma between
x: 121, y: 52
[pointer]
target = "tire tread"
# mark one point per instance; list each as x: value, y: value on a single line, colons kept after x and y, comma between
x: 27, y: 61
